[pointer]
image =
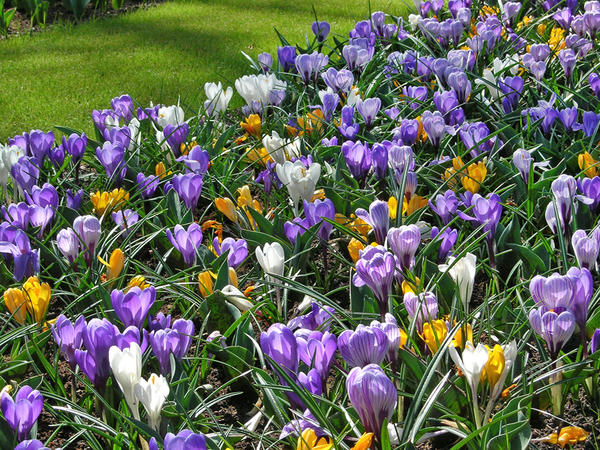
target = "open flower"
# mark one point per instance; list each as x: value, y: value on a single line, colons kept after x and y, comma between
x: 22, y: 412
x: 152, y: 393
x: 310, y: 441
x: 299, y: 180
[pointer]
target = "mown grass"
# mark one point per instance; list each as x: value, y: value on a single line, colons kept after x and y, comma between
x: 57, y: 77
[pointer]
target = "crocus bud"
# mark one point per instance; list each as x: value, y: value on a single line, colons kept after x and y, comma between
x: 127, y: 368
x: 271, y: 258
x: 378, y: 217
x: 366, y: 345
x: 585, y: 248
x: 404, y: 242
x: 372, y: 395
x: 152, y: 394
x: 68, y: 244
x: 87, y: 229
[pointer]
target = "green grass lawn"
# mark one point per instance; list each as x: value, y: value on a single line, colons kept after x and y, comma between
x: 58, y: 76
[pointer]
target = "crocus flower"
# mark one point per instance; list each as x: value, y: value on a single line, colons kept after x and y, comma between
x: 186, y: 241
x: 185, y: 439
x: 376, y: 268
x: 554, y: 326
x: 319, y: 317
x: 126, y: 366
x: 310, y: 441
x: 315, y: 213
x: 271, y: 258
x: 582, y: 295
x: 68, y: 336
x: 26, y: 260
x: 170, y: 115
x: 217, y: 98
x: 320, y: 30
x: 147, y: 185
x: 38, y: 298
x: 280, y: 344
x: 152, y: 394
x: 189, y: 188
x: 17, y: 214
x: 87, y: 229
x: 98, y: 336
x: 22, y: 412
x: 372, y: 395
x: 462, y: 272
x: 522, y: 160
x: 74, y: 199
x: 31, y: 444
x: 368, y: 109
x: 486, y: 212
x: 112, y: 157
x: 299, y: 179
x: 236, y: 249
x: 26, y: 172
x: 133, y: 307
x: 445, y: 206
x: 316, y: 349
x: 404, y: 242
x: 511, y: 87
x: 68, y: 244
x: 175, y: 340
x: 358, y: 158
x: 378, y: 217
x: 125, y: 219
x: 421, y: 308
x: 586, y: 248
x: 366, y: 345
x: 75, y: 146
x: 447, y: 239
x: 16, y: 303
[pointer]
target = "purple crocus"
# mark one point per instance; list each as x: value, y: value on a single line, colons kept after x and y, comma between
x: 295, y: 228
x: 319, y: 317
x: 112, y: 157
x: 320, y: 30
x: 197, y: 160
x: 316, y: 349
x: 554, y: 326
x: 376, y: 268
x: 279, y: 344
x: 317, y: 211
x: 366, y: 345
x: 447, y: 239
x: 133, y: 307
x: 368, y: 109
x: 373, y: 396
x: 590, y: 188
x: 69, y: 337
x: 75, y: 146
x: 26, y: 172
x: 348, y: 128
x: 390, y: 327
x: 185, y: 439
x: 147, y: 185
x: 43, y: 196
x: 98, y: 336
x: 265, y: 60
x: 586, y: 248
x: 522, y: 160
x: 236, y: 249
x: 435, y: 127
x: 123, y: 107
x: 40, y: 216
x: 415, y: 95
x: 22, y: 412
x: 511, y: 87
x: 31, y: 444
x: 590, y: 123
x: 17, y: 214
x: 339, y: 81
x: 404, y: 242
x: 486, y: 212
x: 74, y: 199
x: 186, y: 241
x: 26, y: 260
x: 583, y: 289
x: 125, y: 219
x: 189, y: 188
x: 421, y: 308
x: 445, y: 206
x: 87, y: 229
x: 358, y: 158
x: 378, y: 217
x: 175, y: 340
x: 176, y: 136
x: 40, y: 144
x: 287, y: 57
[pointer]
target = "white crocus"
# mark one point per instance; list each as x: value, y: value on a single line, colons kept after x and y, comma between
x: 152, y: 394
x: 9, y: 155
x: 275, y: 146
x: 126, y: 366
x: 134, y: 133
x: 293, y: 148
x: 257, y: 88
x: 217, y: 98
x: 414, y: 20
x: 462, y: 272
x: 236, y: 298
x: 299, y: 180
x: 170, y: 115
x: 471, y: 364
x: 271, y: 258
x: 353, y: 96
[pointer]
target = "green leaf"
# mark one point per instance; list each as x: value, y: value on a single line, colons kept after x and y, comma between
x: 215, y: 307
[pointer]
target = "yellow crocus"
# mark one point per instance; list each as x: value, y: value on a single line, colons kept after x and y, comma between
x: 38, y: 298
x: 494, y: 366
x: 309, y: 441
x: 113, y: 200
x: 114, y: 265
x: 245, y: 199
x: 434, y: 333
x: 226, y: 206
x: 476, y: 173
x: 359, y: 226
x: 364, y: 443
x: 14, y: 299
x: 354, y: 248
x: 415, y: 203
x: 393, y: 207
x: 233, y: 278
x: 588, y: 164
x: 403, y: 338
x: 138, y: 281
x: 252, y: 124
x: 410, y: 286
x: 460, y: 340
x: 319, y: 194
x: 567, y: 436
x: 205, y: 282
x: 160, y: 170
x: 259, y: 155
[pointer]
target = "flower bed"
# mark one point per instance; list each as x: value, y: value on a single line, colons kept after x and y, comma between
x: 392, y: 245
